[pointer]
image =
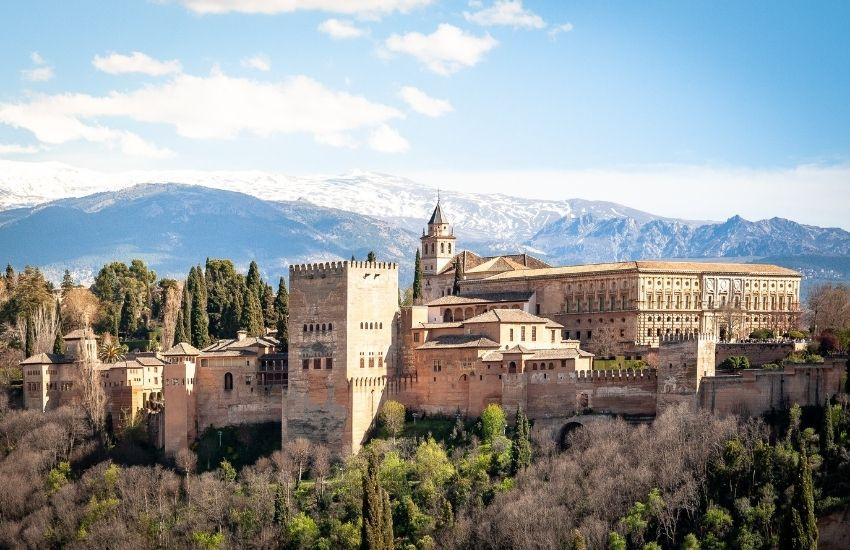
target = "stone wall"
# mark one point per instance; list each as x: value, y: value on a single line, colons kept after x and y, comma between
x: 758, y: 353
x: 179, y: 416
x: 682, y: 364
x: 756, y: 391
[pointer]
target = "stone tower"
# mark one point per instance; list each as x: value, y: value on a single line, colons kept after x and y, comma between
x: 342, y: 318
x: 437, y: 243
x: 683, y: 361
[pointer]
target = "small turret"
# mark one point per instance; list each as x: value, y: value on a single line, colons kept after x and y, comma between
x: 437, y: 242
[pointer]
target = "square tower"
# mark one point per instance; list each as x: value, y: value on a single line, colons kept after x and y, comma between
x: 341, y: 345
x: 437, y: 244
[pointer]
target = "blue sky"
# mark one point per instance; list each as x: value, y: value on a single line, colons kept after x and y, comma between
x: 561, y: 99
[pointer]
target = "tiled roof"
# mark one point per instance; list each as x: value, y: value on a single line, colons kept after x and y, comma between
x: 506, y: 316
x: 650, y: 266
x: 554, y: 324
x: 499, y: 263
x: 469, y: 261
x: 150, y: 361
x: 537, y: 354
x: 136, y: 363
x: 457, y: 324
x: 459, y: 341
x: 182, y: 349
x: 80, y: 334
x: 47, y: 359
x: 236, y: 344
x: 437, y: 216
x: 482, y: 298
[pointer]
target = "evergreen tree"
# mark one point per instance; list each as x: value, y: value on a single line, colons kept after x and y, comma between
x: 520, y: 446
x: 29, y: 344
x: 371, y: 256
x: 267, y: 301
x: 252, y: 314
x: 279, y: 506
x: 254, y: 281
x: 801, y: 530
x: 10, y: 276
x: 281, y: 306
x: 128, y: 315
x: 59, y: 342
x: 184, y: 316
x: 199, y: 322
x: 353, y: 259
x: 376, y: 532
x: 67, y: 282
x: 417, y: 278
x: 828, y: 436
x: 456, y: 282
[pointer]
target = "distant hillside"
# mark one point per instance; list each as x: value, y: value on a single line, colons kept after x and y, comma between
x: 172, y: 227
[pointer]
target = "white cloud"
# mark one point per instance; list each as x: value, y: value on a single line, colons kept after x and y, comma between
x: 445, y: 51
x: 557, y: 29
x: 39, y: 74
x: 37, y: 59
x: 387, y: 140
x: 136, y: 62
x: 340, y: 29
x: 258, y: 62
x: 14, y: 148
x: 507, y: 13
x: 422, y: 103
x: 212, y: 107
x: 269, y: 7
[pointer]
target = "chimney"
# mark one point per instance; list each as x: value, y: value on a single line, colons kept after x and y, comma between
x: 241, y: 335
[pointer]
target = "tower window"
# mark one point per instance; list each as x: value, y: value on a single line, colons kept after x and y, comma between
x: 450, y: 248
x: 442, y: 248
x: 228, y: 381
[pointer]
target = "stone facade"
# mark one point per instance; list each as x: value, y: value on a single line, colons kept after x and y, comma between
x: 343, y: 320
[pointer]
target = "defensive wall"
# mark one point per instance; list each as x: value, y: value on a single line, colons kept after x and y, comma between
x: 758, y: 353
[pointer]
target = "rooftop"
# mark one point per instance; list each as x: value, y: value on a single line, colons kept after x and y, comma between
x: 507, y: 316
x: 182, y: 349
x: 481, y: 298
x: 469, y: 261
x: 47, y: 359
x: 459, y: 341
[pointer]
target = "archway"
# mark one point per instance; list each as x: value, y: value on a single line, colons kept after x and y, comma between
x: 512, y: 367
x: 565, y: 435
x: 447, y: 316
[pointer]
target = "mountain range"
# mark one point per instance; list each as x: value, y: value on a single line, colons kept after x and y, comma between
x: 58, y: 216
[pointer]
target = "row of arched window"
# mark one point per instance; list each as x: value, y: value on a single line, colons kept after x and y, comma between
x: 371, y: 325
x: 442, y: 248
x: 316, y: 327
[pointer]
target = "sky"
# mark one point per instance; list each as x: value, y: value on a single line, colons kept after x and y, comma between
x: 699, y: 109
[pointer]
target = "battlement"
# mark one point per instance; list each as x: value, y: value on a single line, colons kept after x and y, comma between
x: 337, y: 269
x: 619, y: 374
x: 668, y: 339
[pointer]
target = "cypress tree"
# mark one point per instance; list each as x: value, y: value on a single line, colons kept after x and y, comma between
x: 520, y: 446
x: 254, y: 281
x: 370, y: 257
x: 281, y: 306
x: 800, y: 527
x: 828, y: 436
x: 252, y: 314
x: 376, y: 532
x: 269, y: 312
x: 199, y: 323
x: 456, y: 282
x: 181, y: 329
x: 59, y: 342
x: 417, y: 278
x: 128, y: 314
x: 67, y: 282
x: 29, y: 344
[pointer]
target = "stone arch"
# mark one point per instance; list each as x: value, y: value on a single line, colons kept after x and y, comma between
x: 512, y: 367
x: 458, y: 314
x: 447, y: 316
x: 228, y: 381
x: 566, y: 431
x: 467, y: 313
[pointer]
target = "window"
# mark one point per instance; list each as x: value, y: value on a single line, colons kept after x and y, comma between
x: 589, y: 334
x: 228, y: 381
x: 442, y: 248
x: 329, y: 363
x: 362, y: 362
x: 305, y: 328
x: 553, y: 336
x: 415, y: 336
x: 371, y: 362
x: 380, y: 361
x: 330, y: 326
x: 450, y: 248
x: 317, y: 363
x: 533, y: 334
x: 522, y: 334
x: 305, y: 364
x: 511, y: 335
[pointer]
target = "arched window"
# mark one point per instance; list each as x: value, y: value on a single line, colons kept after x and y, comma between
x: 512, y: 367
x: 330, y: 326
x: 311, y: 327
x: 228, y: 381
x: 381, y: 325
x: 450, y: 248
x: 324, y: 327
x: 442, y: 248
x: 305, y: 328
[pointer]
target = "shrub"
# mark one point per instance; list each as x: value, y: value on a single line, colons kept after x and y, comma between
x: 771, y: 366
x: 736, y: 362
x: 762, y: 334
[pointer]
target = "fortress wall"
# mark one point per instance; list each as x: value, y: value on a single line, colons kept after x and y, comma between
x: 756, y: 391
x: 619, y: 391
x: 246, y: 403
x: 758, y: 353
x: 682, y: 364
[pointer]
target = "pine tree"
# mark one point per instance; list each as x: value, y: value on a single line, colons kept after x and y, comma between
x: 376, y: 532
x: 281, y: 306
x: 10, y: 276
x: 59, y: 342
x: 67, y: 282
x: 184, y: 316
x: 417, y: 278
x: 199, y: 322
x: 456, y: 282
x: 252, y: 314
x: 370, y: 257
x: 353, y: 259
x: 520, y: 446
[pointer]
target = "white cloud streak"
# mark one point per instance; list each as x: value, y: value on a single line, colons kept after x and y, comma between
x: 212, y: 107
x: 506, y: 13
x: 338, y: 29
x: 557, y: 29
x: 387, y: 140
x: 258, y: 62
x: 367, y: 8
x: 38, y: 74
x: 14, y: 148
x: 445, y: 51
x: 136, y: 62
x: 424, y: 104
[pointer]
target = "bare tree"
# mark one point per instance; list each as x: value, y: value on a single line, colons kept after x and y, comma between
x: 79, y: 308
x: 44, y: 325
x: 321, y: 467
x: 605, y: 340
x: 733, y: 317
x: 299, y: 451
x: 92, y: 394
x: 828, y: 306
x: 170, y: 310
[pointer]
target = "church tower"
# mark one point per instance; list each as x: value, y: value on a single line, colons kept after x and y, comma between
x: 437, y: 243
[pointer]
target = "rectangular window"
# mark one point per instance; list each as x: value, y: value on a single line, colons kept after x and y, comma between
x: 566, y: 335
x: 511, y: 335
x: 522, y: 334
x: 362, y: 361
x: 533, y: 334
x: 317, y: 363
x: 415, y: 336
x: 553, y: 336
x: 329, y: 363
x: 371, y: 362
x: 305, y: 364
x: 380, y: 361
x: 589, y: 334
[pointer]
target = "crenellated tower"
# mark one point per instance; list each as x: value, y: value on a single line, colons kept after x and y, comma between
x: 437, y: 243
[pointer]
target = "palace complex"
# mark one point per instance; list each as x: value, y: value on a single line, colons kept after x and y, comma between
x: 508, y: 329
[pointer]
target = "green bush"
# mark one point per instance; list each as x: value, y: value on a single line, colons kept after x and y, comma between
x: 762, y: 334
x: 771, y: 366
x: 736, y: 362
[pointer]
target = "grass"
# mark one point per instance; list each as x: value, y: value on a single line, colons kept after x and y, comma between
x: 618, y: 363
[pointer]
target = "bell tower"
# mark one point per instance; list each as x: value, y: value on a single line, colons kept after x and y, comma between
x: 437, y: 243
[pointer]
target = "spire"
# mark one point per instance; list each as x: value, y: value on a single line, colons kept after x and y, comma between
x: 437, y: 216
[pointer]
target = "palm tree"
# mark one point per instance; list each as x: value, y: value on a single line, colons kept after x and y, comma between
x: 111, y: 352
